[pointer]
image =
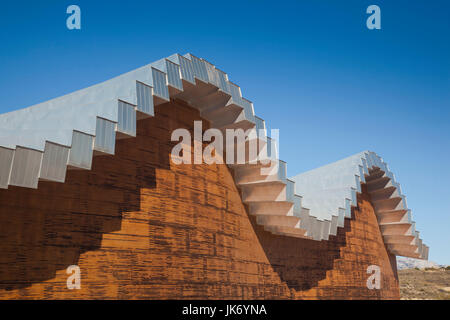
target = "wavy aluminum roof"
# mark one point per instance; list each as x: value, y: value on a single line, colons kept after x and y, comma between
x: 43, y: 141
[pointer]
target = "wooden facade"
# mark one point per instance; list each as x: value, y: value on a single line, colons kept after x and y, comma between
x: 140, y: 227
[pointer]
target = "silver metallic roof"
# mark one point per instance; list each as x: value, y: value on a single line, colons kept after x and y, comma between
x: 43, y: 141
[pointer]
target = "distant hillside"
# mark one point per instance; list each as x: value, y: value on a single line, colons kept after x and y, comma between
x: 411, y: 263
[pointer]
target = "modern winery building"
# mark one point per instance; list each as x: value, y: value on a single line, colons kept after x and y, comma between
x: 87, y: 180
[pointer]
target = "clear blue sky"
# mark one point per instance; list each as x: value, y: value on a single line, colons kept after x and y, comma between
x: 312, y: 69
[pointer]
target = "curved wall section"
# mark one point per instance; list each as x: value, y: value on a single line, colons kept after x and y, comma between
x: 141, y: 227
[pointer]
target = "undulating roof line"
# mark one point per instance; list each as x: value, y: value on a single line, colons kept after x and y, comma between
x: 43, y: 141
x: 329, y: 192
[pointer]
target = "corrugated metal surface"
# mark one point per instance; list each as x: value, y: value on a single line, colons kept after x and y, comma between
x: 261, y: 128
x: 187, y: 70
x: 26, y: 167
x: 174, y: 75
x: 126, y: 119
x: 282, y: 171
x: 272, y: 148
x: 6, y: 160
x: 213, y: 75
x: 105, y: 136
x: 199, y: 69
x: 223, y: 81
x: 144, y: 99
x: 159, y: 84
x: 54, y: 162
x: 248, y: 109
x: 290, y: 190
x: 81, y: 150
x: 297, y: 205
x: 235, y: 93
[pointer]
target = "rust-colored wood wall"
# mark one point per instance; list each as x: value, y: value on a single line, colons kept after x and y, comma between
x: 140, y: 227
